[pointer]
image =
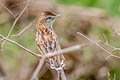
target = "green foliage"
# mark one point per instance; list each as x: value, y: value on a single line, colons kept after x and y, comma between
x: 87, y: 3
x: 111, y: 6
x: 115, y: 74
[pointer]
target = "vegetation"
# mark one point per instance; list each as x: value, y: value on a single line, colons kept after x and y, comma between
x: 94, y: 24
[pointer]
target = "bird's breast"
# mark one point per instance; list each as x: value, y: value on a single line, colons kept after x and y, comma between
x: 48, y: 33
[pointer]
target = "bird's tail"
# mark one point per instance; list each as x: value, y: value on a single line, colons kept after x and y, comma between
x: 56, y: 63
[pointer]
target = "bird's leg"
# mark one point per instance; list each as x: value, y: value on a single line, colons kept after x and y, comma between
x: 58, y: 75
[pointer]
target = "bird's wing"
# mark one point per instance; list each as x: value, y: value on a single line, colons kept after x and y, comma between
x: 39, y: 42
x: 58, y: 49
x: 46, y: 41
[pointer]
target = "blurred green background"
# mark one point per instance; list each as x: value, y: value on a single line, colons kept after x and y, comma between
x: 111, y: 6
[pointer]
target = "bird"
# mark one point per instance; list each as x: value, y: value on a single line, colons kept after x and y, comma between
x: 47, y: 40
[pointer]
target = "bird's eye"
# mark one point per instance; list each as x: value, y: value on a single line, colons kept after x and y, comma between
x: 49, y: 17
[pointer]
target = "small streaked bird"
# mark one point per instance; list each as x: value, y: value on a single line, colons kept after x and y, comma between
x: 47, y: 41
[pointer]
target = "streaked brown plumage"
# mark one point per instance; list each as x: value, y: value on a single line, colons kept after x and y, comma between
x: 46, y: 39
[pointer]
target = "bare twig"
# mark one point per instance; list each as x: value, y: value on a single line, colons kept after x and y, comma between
x: 2, y: 40
x: 111, y: 26
x: 34, y: 77
x: 114, y: 48
x: 36, y: 72
x: 106, y: 41
x: 63, y: 51
x: 18, y: 4
x: 29, y: 51
x: 93, y: 42
x: 107, y: 44
x: 13, y: 25
x: 8, y: 10
x: 18, y: 34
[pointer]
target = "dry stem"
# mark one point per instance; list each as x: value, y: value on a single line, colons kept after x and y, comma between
x: 94, y: 42
x: 13, y: 25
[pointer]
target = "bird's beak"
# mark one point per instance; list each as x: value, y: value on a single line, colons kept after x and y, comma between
x: 58, y: 15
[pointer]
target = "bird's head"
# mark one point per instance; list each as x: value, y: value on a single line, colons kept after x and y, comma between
x: 48, y: 18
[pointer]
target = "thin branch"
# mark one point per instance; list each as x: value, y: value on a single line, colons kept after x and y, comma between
x: 18, y: 4
x: 16, y: 21
x: 107, y: 44
x: 2, y: 40
x: 9, y: 11
x: 111, y: 26
x: 64, y: 51
x: 18, y: 34
x: 114, y: 48
x: 62, y: 74
x: 36, y: 72
x: 29, y: 51
x: 106, y: 41
x: 93, y: 42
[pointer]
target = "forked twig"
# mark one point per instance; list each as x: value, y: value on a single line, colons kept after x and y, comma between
x: 106, y: 41
x: 63, y: 51
x: 2, y: 40
x: 13, y: 25
x: 93, y: 42
x: 23, y: 30
x: 114, y: 48
x: 18, y: 4
x: 8, y: 10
